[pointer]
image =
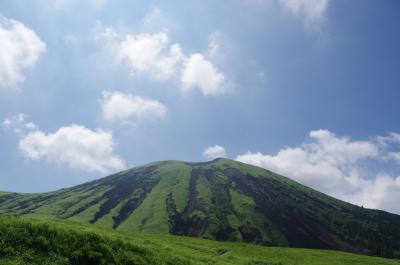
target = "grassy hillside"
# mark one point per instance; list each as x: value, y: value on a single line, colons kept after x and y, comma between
x: 33, y: 241
x: 223, y: 200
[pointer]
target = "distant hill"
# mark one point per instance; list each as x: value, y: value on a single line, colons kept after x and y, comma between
x: 223, y: 200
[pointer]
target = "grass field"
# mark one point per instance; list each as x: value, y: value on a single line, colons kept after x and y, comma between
x: 35, y: 241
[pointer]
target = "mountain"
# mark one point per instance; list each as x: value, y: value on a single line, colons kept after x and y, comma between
x: 223, y: 200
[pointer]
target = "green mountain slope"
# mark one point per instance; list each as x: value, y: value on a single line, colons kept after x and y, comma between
x: 26, y: 241
x: 223, y: 200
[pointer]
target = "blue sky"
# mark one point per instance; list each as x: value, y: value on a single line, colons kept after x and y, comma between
x: 307, y: 88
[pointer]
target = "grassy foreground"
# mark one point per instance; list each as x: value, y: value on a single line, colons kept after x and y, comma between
x: 35, y: 241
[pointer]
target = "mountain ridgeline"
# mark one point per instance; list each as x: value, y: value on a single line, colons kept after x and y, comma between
x: 223, y: 200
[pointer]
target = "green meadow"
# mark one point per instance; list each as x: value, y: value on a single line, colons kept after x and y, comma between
x: 37, y: 241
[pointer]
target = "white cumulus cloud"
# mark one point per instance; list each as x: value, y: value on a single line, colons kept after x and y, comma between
x: 75, y: 146
x: 20, y: 49
x: 117, y: 106
x: 152, y: 54
x: 336, y: 165
x: 214, y: 152
x: 381, y: 192
x: 201, y: 73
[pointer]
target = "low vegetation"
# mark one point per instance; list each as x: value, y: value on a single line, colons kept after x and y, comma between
x: 33, y: 242
x: 26, y: 241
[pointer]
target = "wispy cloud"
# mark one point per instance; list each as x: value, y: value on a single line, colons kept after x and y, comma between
x: 63, y: 5
x: 312, y: 12
x: 120, y: 107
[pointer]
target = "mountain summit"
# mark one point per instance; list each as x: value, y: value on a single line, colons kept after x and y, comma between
x: 223, y: 200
